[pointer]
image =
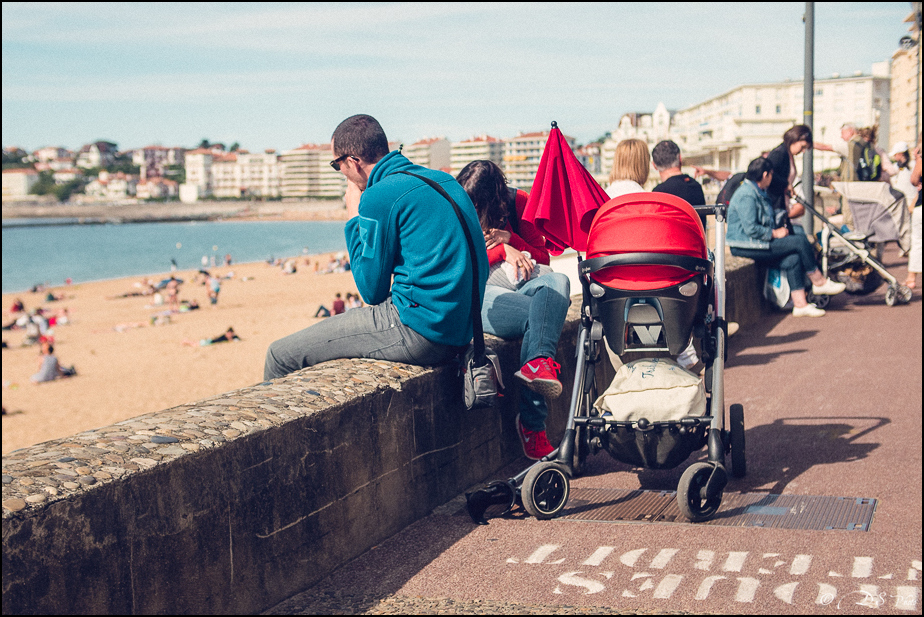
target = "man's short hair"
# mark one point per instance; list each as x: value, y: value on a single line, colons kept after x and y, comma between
x: 360, y: 136
x: 848, y: 125
x: 757, y: 168
x: 666, y: 155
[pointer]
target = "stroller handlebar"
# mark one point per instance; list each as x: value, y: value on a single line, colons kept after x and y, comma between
x: 692, y: 264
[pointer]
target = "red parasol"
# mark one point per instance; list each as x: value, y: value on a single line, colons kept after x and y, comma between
x: 564, y: 197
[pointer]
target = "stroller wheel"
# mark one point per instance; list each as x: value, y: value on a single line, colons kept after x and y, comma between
x: 891, y: 295
x: 820, y: 301
x: 736, y: 438
x: 692, y: 498
x: 904, y: 294
x: 545, y: 490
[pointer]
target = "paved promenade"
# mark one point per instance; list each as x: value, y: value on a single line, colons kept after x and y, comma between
x: 832, y: 408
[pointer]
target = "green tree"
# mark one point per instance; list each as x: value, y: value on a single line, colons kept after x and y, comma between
x: 45, y: 185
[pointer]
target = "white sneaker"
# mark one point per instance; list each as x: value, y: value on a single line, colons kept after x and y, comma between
x: 809, y: 310
x: 829, y: 288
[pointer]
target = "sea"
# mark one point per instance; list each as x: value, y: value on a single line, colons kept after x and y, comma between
x: 43, y: 251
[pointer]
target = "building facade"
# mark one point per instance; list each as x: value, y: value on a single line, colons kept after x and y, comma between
x: 905, y: 112
x: 650, y: 127
x: 153, y: 159
x: 18, y: 182
x: 522, y: 155
x: 306, y: 173
x: 478, y: 148
x: 431, y: 152
x: 730, y: 130
x: 97, y: 154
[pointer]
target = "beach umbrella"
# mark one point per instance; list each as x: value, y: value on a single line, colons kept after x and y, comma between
x: 564, y: 197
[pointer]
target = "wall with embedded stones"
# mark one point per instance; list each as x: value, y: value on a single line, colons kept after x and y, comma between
x: 234, y: 503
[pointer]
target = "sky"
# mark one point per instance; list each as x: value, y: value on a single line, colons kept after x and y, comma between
x: 278, y: 75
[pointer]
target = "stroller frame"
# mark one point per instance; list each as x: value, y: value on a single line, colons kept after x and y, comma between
x: 896, y: 293
x: 543, y: 488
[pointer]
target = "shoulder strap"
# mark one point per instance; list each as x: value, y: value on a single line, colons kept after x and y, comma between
x: 477, y: 328
x: 513, y: 217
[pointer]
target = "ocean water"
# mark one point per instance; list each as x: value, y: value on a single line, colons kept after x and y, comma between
x: 52, y: 253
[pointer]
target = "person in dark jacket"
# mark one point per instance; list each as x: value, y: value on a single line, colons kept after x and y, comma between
x: 796, y: 140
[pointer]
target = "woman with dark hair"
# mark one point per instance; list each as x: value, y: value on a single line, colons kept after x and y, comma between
x: 535, y: 311
x: 752, y: 233
x: 796, y: 140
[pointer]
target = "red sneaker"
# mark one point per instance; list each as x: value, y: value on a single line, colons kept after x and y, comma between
x: 535, y: 443
x: 541, y: 376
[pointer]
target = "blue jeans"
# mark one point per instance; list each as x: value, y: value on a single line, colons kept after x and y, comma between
x: 367, y: 332
x: 792, y: 254
x: 536, y: 312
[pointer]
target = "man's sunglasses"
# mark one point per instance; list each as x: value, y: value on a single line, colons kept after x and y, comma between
x: 336, y: 162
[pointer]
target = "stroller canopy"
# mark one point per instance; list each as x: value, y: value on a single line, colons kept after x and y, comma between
x: 645, y: 223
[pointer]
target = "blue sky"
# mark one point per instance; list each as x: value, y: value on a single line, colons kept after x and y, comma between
x: 279, y: 75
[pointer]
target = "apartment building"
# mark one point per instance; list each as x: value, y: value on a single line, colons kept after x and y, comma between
x: 650, y: 127
x: 112, y: 186
x: 198, y: 165
x: 478, y: 148
x: 730, y: 130
x: 522, y: 155
x: 905, y: 110
x: 430, y: 152
x: 153, y: 159
x: 306, y: 172
x: 226, y: 176
x: 97, y: 154
x: 156, y: 188
x: 18, y: 182
x: 260, y: 173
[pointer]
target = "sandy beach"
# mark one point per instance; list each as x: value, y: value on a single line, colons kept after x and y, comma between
x: 126, y: 366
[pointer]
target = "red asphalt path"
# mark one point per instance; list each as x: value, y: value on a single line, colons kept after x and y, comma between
x: 832, y: 407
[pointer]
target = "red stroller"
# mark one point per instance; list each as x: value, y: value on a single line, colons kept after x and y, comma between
x: 648, y: 287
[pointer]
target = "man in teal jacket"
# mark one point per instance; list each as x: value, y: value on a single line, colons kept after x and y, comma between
x: 408, y: 256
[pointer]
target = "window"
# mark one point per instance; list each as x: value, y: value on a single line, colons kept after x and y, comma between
x: 757, y: 109
x: 778, y: 108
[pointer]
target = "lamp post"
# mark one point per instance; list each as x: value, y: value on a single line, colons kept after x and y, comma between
x: 808, y: 98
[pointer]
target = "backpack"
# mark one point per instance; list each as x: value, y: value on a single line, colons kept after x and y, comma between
x: 731, y: 185
x: 869, y: 163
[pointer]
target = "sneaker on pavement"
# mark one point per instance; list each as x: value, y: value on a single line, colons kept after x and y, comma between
x: 809, y: 310
x: 535, y: 443
x: 541, y: 376
x: 829, y: 288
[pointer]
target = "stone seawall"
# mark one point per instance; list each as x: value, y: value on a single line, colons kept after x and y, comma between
x: 234, y: 503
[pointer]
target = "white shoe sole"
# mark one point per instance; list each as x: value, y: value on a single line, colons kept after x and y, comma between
x: 545, y: 387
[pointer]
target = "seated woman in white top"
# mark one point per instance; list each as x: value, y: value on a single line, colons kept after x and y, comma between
x: 631, y: 164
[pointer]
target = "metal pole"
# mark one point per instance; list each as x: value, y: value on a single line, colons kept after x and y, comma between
x: 808, y: 97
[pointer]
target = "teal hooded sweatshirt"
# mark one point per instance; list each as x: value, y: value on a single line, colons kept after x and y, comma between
x: 407, y: 241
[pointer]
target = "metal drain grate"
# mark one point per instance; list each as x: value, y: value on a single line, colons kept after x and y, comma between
x: 737, y: 509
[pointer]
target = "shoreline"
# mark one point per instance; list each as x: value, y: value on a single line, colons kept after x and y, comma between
x: 160, y: 212
x: 134, y: 358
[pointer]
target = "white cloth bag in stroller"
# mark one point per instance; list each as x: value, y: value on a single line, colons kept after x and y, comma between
x: 657, y: 389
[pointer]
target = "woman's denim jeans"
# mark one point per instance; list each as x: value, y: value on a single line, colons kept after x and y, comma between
x: 792, y: 254
x: 536, y: 312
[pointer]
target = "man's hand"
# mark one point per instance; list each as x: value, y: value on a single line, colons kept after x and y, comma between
x: 351, y: 198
